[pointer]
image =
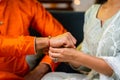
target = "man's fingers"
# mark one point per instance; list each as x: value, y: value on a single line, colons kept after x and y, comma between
x: 72, y: 38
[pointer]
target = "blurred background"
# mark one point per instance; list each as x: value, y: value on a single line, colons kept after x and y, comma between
x: 67, y: 5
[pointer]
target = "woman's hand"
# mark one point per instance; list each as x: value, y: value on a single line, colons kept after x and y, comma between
x: 69, y: 55
x: 62, y: 54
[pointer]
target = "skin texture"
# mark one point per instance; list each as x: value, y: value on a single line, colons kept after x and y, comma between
x: 61, y: 41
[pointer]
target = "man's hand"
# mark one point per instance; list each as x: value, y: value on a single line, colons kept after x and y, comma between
x: 64, y: 40
x: 38, y: 72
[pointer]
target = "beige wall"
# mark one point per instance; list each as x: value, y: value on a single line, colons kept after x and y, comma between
x: 84, y: 5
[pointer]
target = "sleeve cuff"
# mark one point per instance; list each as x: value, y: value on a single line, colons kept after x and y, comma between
x: 48, y: 61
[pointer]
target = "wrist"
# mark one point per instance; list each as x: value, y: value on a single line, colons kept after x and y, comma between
x: 41, y: 43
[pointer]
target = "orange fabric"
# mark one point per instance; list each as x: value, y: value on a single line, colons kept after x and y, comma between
x: 15, y: 43
x: 9, y: 76
x: 47, y: 60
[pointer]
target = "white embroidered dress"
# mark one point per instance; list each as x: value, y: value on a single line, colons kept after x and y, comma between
x: 103, y: 41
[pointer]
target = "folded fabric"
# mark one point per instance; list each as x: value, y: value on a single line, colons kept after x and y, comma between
x: 63, y: 76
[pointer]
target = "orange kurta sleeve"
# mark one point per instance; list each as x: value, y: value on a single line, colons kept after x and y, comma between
x: 20, y: 46
x: 44, y: 23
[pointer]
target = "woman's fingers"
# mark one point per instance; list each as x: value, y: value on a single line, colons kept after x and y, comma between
x: 55, y: 54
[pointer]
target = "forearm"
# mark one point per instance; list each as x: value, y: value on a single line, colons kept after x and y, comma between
x: 38, y: 72
x: 95, y: 63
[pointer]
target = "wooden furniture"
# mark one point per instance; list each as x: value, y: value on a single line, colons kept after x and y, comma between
x: 55, y: 4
